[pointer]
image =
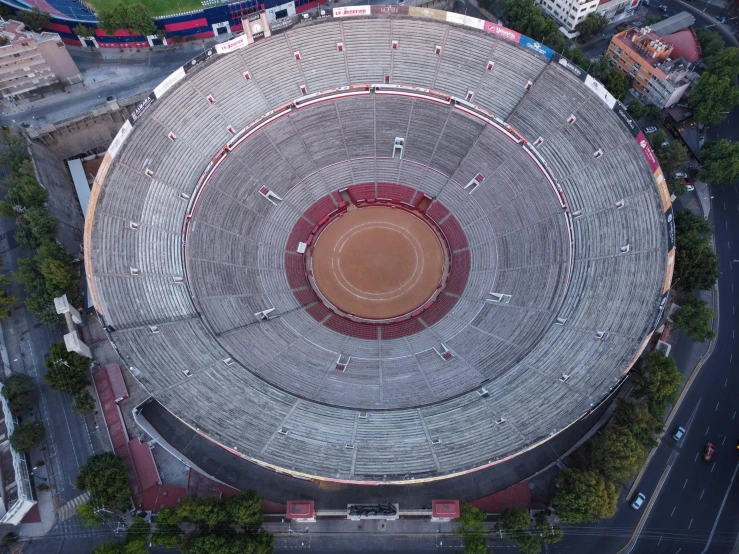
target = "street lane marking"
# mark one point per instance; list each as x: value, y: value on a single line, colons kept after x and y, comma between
x: 727, y: 380
x: 716, y: 410
x: 691, y: 523
x: 723, y: 441
x: 673, y: 511
x: 732, y: 417
x: 696, y: 456
x: 712, y: 466
x: 648, y: 509
x: 703, y: 491
x: 686, y: 482
x: 706, y: 431
x: 721, y: 509
x: 659, y: 541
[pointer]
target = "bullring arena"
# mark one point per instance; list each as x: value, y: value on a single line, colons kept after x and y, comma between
x: 380, y: 248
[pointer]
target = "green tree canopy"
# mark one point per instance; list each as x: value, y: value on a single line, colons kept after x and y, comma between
x: 712, y: 96
x: 694, y: 318
x: 88, y: 515
x: 109, y: 548
x: 228, y: 542
x: 584, y: 496
x: 637, y: 109
x: 720, y: 162
x: 18, y: 391
x: 137, y: 537
x: 83, y: 31
x: 724, y: 63
x: 209, y: 511
x: 167, y: 531
x: 659, y: 381
x: 671, y: 157
x: 617, y: 454
x: 83, y: 403
x: 617, y: 84
x: 549, y: 533
x: 246, y: 508
x: 639, y: 421
x: 696, y: 265
x: 134, y: 18
x: 35, y: 19
x: 592, y: 25
x: 711, y: 42
x: 515, y: 519
x: 470, y: 527
x: 27, y: 193
x: 42, y: 225
x: 27, y: 435
x: 105, y: 477
x: 67, y: 371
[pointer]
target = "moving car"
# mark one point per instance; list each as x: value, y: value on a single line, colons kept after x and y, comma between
x: 709, y: 451
x: 678, y: 434
x: 662, y: 8
x: 638, y: 501
x: 650, y: 130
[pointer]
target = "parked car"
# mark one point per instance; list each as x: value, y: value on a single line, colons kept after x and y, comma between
x: 689, y: 188
x: 662, y: 8
x: 681, y: 175
x: 709, y: 451
x: 650, y: 130
x: 665, y: 143
x: 638, y: 501
x: 678, y: 434
x: 722, y: 19
x: 686, y: 182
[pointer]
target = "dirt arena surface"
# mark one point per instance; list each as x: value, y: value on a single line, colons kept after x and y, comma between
x: 377, y: 262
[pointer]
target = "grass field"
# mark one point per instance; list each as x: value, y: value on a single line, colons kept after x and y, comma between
x: 156, y: 7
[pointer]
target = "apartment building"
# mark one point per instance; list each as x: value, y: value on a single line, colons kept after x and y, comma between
x: 568, y: 13
x: 616, y: 10
x: 32, y: 62
x: 661, y: 75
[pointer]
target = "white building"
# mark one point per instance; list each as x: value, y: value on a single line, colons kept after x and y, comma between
x: 568, y: 13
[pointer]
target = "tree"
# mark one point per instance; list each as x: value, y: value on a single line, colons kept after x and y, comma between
x: 35, y: 19
x: 659, y: 381
x: 654, y: 113
x: 18, y: 391
x: 134, y: 18
x: 711, y: 43
x: 167, y: 531
x: 246, y: 508
x: 617, y: 454
x: 88, y: 515
x: 671, y: 156
x: 109, y: 548
x: 720, y: 162
x: 724, y: 63
x: 6, y: 300
x: 549, y: 533
x: 618, y: 84
x: 676, y: 187
x: 105, y: 477
x: 83, y: 31
x: 471, y: 528
x: 584, y: 496
x: 528, y: 544
x: 28, y: 193
x: 209, y: 511
x: 696, y: 265
x: 137, y: 537
x: 637, y: 109
x: 83, y: 403
x: 712, y: 96
x: 639, y: 421
x: 67, y: 371
x: 228, y: 542
x: 656, y: 139
x: 27, y: 435
x: 42, y: 225
x: 516, y: 520
x: 694, y: 318
x: 592, y: 25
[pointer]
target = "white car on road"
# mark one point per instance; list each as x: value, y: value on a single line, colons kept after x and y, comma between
x: 638, y: 501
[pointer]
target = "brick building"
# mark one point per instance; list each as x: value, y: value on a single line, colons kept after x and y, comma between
x: 33, y: 63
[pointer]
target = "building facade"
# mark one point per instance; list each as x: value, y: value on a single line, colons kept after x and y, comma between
x: 658, y: 79
x: 33, y: 62
x: 568, y: 13
x: 617, y: 10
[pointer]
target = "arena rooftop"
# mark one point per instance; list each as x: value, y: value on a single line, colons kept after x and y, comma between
x: 552, y: 215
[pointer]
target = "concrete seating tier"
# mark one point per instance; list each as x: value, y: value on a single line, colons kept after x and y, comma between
x: 183, y: 302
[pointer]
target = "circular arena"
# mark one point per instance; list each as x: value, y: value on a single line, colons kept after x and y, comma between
x: 379, y: 249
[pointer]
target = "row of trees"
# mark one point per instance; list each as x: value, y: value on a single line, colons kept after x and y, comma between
x: 526, y: 18
x: 715, y: 90
x: 49, y: 273
x: 19, y: 393
x: 589, y: 490
x: 67, y: 373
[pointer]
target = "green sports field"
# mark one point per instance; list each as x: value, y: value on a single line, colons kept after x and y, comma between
x: 156, y: 7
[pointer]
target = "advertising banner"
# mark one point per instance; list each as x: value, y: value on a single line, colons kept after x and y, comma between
x: 569, y: 66
x: 670, y: 221
x: 389, y: 10
x: 169, y: 82
x: 669, y: 271
x: 600, y: 90
x: 537, y: 47
x: 352, y: 10
x: 660, y: 311
x: 231, y: 45
x: 624, y: 116
x: 284, y: 23
x: 428, y: 13
x: 197, y: 60
x: 647, y: 151
x: 141, y: 107
x: 502, y: 32
x: 119, y: 139
x: 664, y: 192
x: 474, y: 22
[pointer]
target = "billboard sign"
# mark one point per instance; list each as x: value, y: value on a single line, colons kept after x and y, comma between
x: 389, y: 9
x: 352, y: 10
x: 670, y: 221
x: 199, y: 59
x: 647, y: 152
x: 624, y: 116
x: 427, y: 13
x: 569, y: 66
x: 141, y: 108
x: 502, y: 32
x: 537, y: 47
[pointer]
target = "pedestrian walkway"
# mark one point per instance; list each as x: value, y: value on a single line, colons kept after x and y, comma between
x: 70, y: 508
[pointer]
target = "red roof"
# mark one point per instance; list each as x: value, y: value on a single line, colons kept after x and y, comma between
x: 143, y: 461
x: 517, y: 496
x: 685, y: 44
x: 445, y: 509
x: 299, y: 509
x: 117, y: 384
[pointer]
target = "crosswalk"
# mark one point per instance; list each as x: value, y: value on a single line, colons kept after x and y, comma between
x: 68, y: 509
